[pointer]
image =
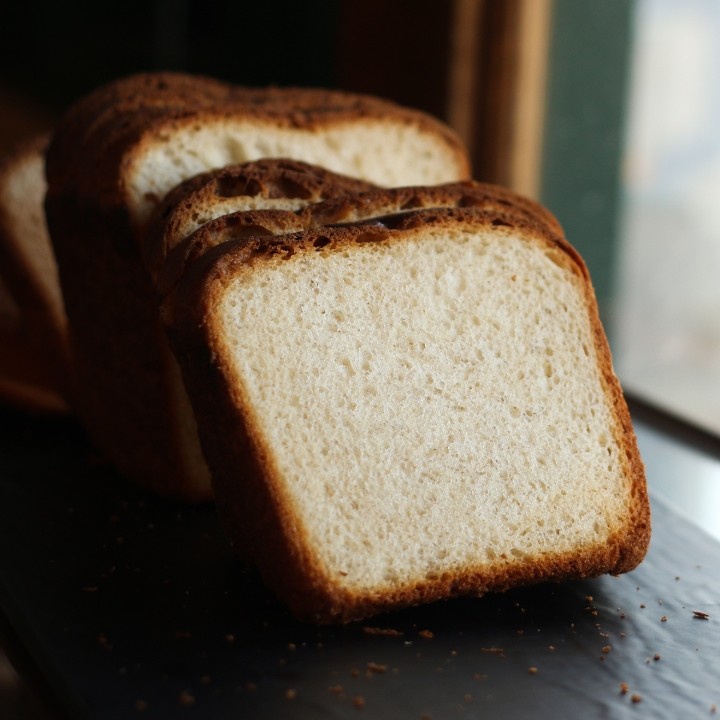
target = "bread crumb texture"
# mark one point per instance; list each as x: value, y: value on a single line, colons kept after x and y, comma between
x: 432, y: 404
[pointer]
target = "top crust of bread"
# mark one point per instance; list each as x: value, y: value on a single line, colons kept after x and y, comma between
x: 338, y: 210
x: 276, y: 182
x: 255, y: 498
x: 464, y: 194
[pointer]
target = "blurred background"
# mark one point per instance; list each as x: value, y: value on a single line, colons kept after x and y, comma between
x: 607, y: 111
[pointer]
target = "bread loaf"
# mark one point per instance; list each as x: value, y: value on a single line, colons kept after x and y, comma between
x: 114, y: 157
x: 411, y: 408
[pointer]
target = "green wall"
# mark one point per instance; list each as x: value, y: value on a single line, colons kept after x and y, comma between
x: 582, y: 150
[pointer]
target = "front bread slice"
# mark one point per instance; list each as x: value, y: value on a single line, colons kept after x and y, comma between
x: 403, y: 411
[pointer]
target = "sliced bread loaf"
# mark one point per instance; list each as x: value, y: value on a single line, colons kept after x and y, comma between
x: 411, y: 409
x: 114, y: 157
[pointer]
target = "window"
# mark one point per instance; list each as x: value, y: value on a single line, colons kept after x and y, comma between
x: 667, y: 320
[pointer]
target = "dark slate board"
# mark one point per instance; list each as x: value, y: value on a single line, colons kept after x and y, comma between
x: 124, y: 606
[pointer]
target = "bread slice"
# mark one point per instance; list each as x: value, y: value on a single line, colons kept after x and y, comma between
x: 400, y: 411
x: 33, y: 349
x: 114, y: 157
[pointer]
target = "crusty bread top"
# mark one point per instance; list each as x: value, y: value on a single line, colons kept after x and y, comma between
x: 279, y: 183
x: 125, y: 144
x: 464, y: 194
x: 419, y: 407
x: 344, y: 209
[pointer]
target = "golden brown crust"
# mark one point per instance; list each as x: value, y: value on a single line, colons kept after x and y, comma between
x: 249, y: 489
x: 268, y: 178
x: 464, y: 194
x: 633, y: 546
x: 346, y: 209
